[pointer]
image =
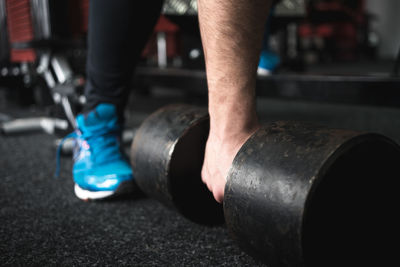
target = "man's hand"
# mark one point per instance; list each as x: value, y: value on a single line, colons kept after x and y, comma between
x: 231, y: 34
x: 219, y: 155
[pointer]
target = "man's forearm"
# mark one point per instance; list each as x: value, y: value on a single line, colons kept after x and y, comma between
x: 231, y: 32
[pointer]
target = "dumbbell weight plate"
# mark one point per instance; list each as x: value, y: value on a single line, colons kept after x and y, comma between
x: 303, y: 195
x: 167, y: 155
x: 296, y: 194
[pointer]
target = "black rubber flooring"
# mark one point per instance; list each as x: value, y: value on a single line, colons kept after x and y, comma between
x: 42, y: 223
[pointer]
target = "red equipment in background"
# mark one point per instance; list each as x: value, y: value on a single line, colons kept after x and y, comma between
x: 20, y: 30
x: 41, y: 40
x: 34, y: 25
x: 164, y: 42
x: 79, y: 17
x: 339, y: 26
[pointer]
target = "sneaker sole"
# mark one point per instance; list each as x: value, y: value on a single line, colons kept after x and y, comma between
x: 124, y: 188
x: 263, y: 72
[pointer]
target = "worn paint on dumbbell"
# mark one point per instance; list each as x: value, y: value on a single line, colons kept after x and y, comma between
x: 274, y: 180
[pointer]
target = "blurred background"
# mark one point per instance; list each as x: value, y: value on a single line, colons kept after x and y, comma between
x: 329, y: 62
x: 333, y: 62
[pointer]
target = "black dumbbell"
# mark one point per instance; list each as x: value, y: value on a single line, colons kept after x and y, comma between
x: 296, y: 194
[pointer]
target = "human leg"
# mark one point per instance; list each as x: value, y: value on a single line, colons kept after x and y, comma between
x: 116, y: 37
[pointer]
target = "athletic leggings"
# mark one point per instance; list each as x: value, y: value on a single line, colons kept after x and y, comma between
x: 118, y: 32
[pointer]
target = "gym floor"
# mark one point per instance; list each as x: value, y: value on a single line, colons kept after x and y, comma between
x: 43, y: 223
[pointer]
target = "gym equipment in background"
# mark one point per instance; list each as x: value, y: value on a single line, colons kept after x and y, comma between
x: 41, y: 37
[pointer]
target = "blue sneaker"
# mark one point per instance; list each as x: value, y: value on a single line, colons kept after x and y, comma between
x: 101, y: 169
x: 268, y: 63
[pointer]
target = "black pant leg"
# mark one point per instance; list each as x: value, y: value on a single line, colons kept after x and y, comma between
x: 118, y: 32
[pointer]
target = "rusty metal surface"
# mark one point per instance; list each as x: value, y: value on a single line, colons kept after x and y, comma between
x: 275, y: 175
x: 167, y: 155
x: 296, y: 195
